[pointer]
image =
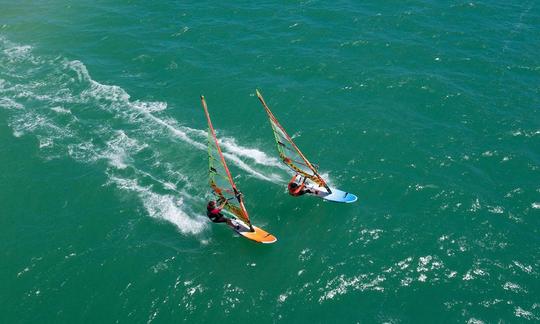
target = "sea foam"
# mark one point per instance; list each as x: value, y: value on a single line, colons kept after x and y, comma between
x: 72, y: 115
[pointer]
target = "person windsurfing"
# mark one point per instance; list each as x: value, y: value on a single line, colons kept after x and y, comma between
x: 214, y: 213
x: 296, y: 189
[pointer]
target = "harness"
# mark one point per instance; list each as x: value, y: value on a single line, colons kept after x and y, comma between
x: 212, y: 216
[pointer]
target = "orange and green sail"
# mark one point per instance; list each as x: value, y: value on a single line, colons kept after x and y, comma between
x: 289, y: 153
x: 221, y: 181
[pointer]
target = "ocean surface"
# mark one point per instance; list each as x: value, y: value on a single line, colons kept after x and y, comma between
x: 428, y: 111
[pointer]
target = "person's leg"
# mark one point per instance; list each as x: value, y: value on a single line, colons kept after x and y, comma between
x: 223, y: 219
x: 312, y: 191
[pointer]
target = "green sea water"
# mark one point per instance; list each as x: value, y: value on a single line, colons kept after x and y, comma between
x: 428, y: 111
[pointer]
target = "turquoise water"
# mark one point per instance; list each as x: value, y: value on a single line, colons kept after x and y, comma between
x: 428, y: 111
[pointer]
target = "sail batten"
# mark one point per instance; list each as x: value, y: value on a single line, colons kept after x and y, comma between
x: 289, y: 153
x: 220, y: 178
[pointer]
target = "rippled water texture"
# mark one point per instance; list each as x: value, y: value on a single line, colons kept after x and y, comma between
x: 427, y: 111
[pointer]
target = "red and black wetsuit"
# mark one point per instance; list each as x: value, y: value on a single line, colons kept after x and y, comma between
x: 295, y: 189
x: 215, y: 214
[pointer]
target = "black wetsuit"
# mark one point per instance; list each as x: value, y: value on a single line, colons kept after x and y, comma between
x: 214, y: 214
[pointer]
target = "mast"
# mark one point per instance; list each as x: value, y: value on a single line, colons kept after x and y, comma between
x: 289, y: 139
x: 237, y: 193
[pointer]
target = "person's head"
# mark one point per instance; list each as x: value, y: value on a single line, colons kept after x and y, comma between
x: 211, y: 203
x: 293, y: 185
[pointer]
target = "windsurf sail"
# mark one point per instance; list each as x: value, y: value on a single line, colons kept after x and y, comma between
x: 289, y: 153
x: 221, y: 181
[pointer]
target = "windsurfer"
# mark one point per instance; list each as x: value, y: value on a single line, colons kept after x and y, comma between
x: 214, y: 213
x: 296, y: 189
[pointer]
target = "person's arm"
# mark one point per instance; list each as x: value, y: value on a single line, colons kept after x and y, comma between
x: 299, y: 188
x: 222, y: 205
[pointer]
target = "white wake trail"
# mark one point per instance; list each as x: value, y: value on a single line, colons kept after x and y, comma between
x: 57, y: 101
